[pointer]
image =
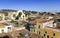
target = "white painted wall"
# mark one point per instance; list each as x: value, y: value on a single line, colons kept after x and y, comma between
x: 21, y: 28
x: 6, y: 29
x: 18, y: 12
x: 2, y: 15
x: 10, y: 15
x: 49, y: 23
x: 0, y: 30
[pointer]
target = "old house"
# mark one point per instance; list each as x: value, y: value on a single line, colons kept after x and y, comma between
x: 5, y: 28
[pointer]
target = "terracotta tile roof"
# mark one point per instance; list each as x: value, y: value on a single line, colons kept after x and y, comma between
x: 24, y: 30
x: 35, y: 15
x: 39, y: 20
x: 2, y: 25
x: 58, y: 16
x: 53, y: 27
x: 42, y: 20
x: 14, y: 33
x: 33, y: 35
x: 4, y: 34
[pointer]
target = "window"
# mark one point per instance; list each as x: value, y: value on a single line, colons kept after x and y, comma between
x: 47, y: 36
x: 44, y: 34
x: 2, y: 30
x: 51, y: 37
x: 9, y: 28
x: 39, y: 33
x: 34, y: 30
x: 39, y: 26
x: 14, y: 15
x: 53, y: 34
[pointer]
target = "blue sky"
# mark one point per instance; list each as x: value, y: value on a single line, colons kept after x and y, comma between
x: 35, y: 5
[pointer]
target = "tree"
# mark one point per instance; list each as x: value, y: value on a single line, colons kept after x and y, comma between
x: 17, y: 24
x: 40, y: 13
x: 0, y: 18
x: 27, y: 13
x: 58, y: 12
x: 6, y: 14
x: 33, y: 12
x: 14, y: 15
x: 19, y: 15
x: 8, y: 10
x: 44, y: 12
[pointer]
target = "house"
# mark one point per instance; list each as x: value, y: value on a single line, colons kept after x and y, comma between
x: 6, y: 15
x: 51, y: 31
x: 25, y: 33
x: 37, y: 25
x: 32, y: 26
x: 57, y: 22
x: 2, y: 16
x: 19, y: 14
x: 13, y: 15
x: 5, y: 28
x: 35, y: 15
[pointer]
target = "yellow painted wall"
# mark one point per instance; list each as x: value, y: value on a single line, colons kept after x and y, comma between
x: 57, y: 34
x: 50, y: 33
x: 43, y: 30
